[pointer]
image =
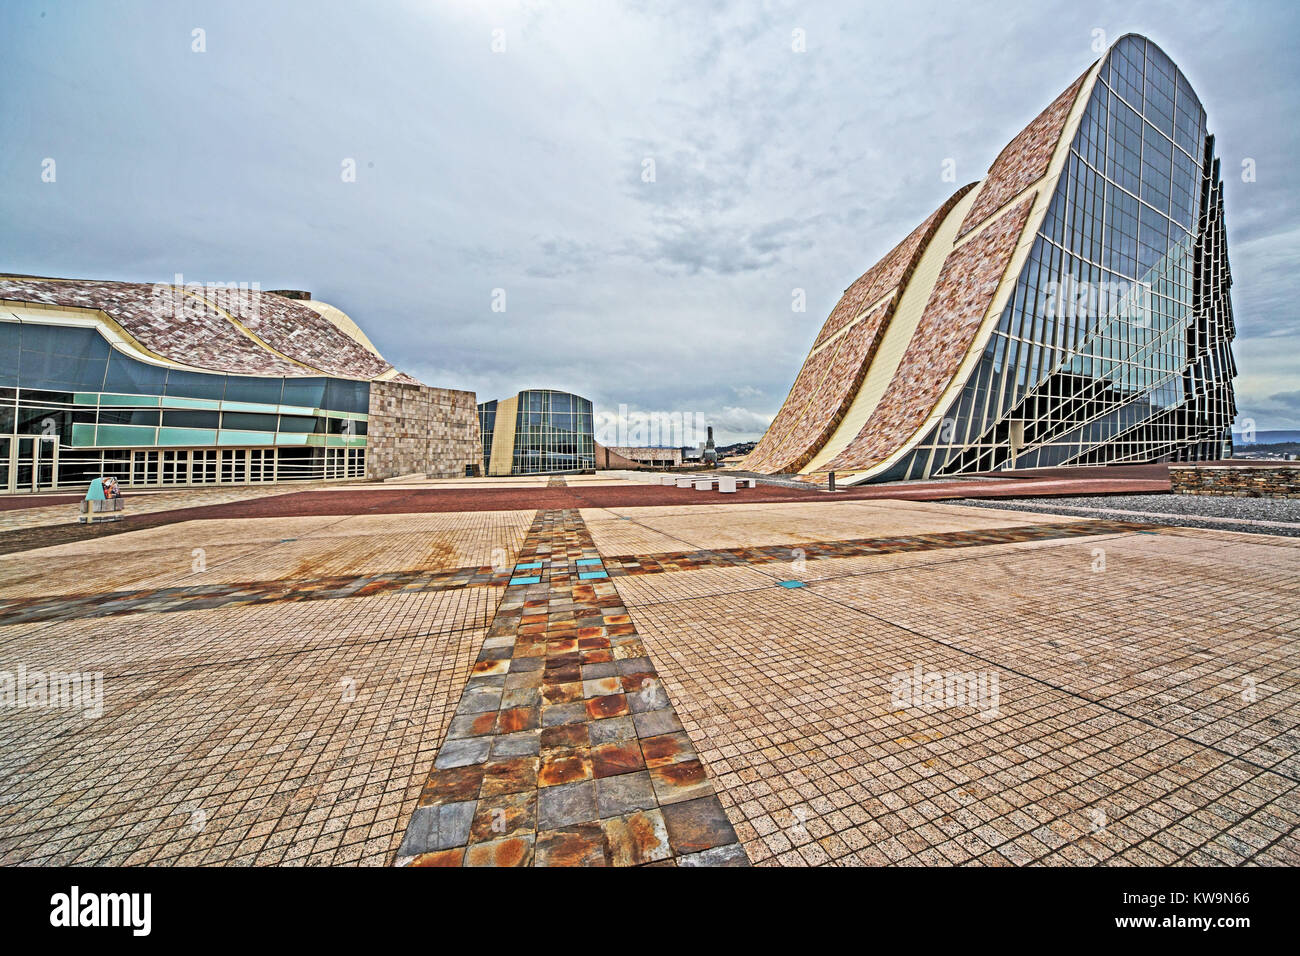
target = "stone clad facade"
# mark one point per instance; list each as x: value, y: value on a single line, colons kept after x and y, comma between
x: 207, y: 384
x: 419, y: 429
x: 1072, y: 308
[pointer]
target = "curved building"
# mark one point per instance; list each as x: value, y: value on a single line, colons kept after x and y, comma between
x: 1071, y: 308
x: 192, y: 384
x: 536, y: 432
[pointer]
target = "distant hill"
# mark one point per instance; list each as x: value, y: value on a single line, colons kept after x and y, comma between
x: 1267, y: 437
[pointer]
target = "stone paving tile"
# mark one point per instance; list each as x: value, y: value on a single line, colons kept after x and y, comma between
x: 789, y: 697
x: 633, y: 564
x: 1147, y: 694
x: 296, y: 732
x: 646, y: 530
x: 307, y: 758
x: 269, y: 554
x: 564, y: 685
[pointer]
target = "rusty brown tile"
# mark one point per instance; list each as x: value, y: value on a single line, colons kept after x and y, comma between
x: 450, y: 857
x: 696, y: 825
x: 510, y: 851
x: 580, y: 844
x: 620, y: 756
x: 563, y: 767
x: 509, y: 776
x: 504, y: 815
x: 676, y: 782
x: 667, y: 749
x: 453, y: 785
x: 637, y: 838
x: 612, y: 705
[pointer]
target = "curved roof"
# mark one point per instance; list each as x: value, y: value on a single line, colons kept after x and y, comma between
x: 835, y: 366
x: 947, y: 312
x: 237, y: 331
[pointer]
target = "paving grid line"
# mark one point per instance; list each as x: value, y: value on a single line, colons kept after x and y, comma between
x: 758, y: 566
x: 1046, y: 722
x: 725, y: 560
x: 48, y: 842
x: 167, y: 600
x: 481, y: 575
x: 1118, y: 711
x: 565, y: 749
x: 860, y: 573
x: 632, y: 564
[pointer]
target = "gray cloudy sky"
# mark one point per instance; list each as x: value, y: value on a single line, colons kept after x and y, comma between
x: 522, y: 169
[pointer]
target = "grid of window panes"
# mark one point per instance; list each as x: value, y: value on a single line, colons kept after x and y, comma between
x: 554, y: 432
x: 1090, y: 360
x: 487, y: 420
x: 72, y: 409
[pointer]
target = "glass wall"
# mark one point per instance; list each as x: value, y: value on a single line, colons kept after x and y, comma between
x: 1115, y: 345
x: 554, y: 431
x: 95, y: 411
x: 487, y: 420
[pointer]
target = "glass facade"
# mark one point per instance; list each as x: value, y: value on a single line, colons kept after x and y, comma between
x: 554, y: 432
x: 1116, y: 343
x: 73, y: 408
x: 487, y: 420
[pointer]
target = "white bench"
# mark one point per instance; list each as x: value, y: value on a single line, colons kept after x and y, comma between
x: 705, y: 484
x: 727, y: 485
x: 667, y: 479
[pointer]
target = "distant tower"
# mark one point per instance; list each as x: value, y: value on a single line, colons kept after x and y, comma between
x: 710, y: 453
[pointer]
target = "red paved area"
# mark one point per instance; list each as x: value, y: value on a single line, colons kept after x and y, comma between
x: 425, y: 501
x: 18, y: 502
x: 408, y: 501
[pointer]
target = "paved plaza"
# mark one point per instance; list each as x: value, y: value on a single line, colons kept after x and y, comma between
x: 605, y: 676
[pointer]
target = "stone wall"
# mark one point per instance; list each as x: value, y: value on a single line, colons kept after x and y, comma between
x: 1281, y: 480
x: 420, y: 429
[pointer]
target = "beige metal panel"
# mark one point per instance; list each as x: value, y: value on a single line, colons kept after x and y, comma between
x: 343, y: 322
x: 503, y: 437
x: 898, y: 334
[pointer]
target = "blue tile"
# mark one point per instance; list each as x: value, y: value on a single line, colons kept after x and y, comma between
x: 791, y: 584
x: 526, y: 579
x: 587, y: 575
x: 528, y: 567
x: 588, y: 561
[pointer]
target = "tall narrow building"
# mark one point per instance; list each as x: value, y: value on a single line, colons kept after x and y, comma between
x: 1071, y: 308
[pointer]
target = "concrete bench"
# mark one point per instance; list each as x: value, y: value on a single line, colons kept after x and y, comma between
x: 685, y: 482
x: 705, y: 484
x: 727, y: 485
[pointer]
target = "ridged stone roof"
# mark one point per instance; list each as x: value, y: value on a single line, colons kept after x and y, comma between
x: 971, y: 270
x: 243, y: 332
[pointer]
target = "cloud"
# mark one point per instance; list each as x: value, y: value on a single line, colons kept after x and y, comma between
x: 523, y: 170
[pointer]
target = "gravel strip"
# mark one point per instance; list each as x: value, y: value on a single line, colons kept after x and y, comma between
x: 1232, y: 514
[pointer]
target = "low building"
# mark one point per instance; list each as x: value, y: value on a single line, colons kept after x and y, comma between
x: 169, y: 385
x: 538, y: 431
x: 650, y: 457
